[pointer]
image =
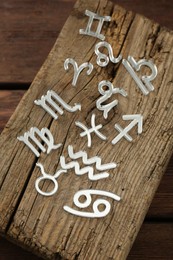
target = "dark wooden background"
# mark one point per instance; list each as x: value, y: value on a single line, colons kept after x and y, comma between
x: 28, y: 30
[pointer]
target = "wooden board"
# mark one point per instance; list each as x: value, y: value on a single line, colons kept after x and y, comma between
x: 145, y: 246
x: 7, y: 131
x: 32, y: 27
x: 158, y: 11
x: 162, y: 204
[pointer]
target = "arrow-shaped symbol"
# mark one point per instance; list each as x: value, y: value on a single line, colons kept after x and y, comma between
x: 137, y: 120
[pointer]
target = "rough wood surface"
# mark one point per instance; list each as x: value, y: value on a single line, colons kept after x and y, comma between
x: 145, y: 246
x: 33, y: 27
x: 162, y: 204
x: 27, y: 227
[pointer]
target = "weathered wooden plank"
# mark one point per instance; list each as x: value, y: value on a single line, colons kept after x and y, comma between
x: 162, y: 204
x: 39, y: 223
x: 154, y: 241
x: 33, y: 26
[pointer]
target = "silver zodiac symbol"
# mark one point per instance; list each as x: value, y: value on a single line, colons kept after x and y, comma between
x: 131, y: 64
x: 50, y: 102
x: 137, y: 120
x: 92, y: 17
x: 46, y: 137
x: 103, y: 59
x: 94, y: 129
x: 106, y: 95
x: 86, y: 161
x: 96, y: 212
x: 47, y: 177
x: 78, y: 70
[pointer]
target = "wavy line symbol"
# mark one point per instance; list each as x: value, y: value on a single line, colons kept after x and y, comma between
x: 87, y: 161
x: 97, y: 160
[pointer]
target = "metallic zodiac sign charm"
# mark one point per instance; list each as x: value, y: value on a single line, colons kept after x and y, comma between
x: 96, y: 212
x: 94, y: 129
x: 87, y: 161
x: 144, y: 84
x: 106, y: 94
x: 47, y: 103
x: 46, y: 137
x: 48, y: 177
x: 101, y: 20
x: 78, y: 70
x: 137, y: 120
x: 103, y: 59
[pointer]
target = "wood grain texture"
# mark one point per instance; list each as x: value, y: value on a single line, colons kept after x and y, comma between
x: 162, y: 204
x: 145, y: 246
x: 33, y: 26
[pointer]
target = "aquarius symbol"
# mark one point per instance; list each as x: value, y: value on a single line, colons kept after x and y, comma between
x: 86, y: 161
x: 78, y: 70
x: 97, y: 160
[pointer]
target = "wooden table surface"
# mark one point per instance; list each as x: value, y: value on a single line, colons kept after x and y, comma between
x: 28, y: 30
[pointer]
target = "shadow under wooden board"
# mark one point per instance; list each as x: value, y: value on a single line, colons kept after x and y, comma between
x: 30, y: 219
